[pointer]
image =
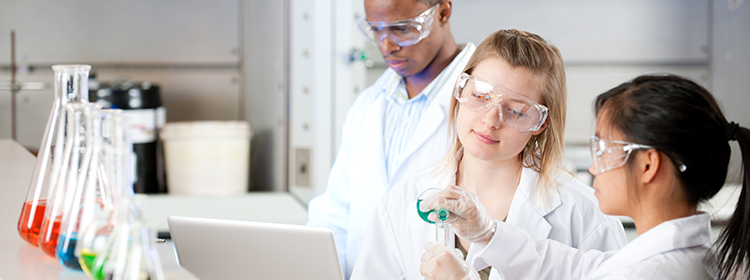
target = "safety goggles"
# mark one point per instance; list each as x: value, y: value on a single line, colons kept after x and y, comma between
x: 403, y: 32
x: 517, y: 111
x: 611, y: 154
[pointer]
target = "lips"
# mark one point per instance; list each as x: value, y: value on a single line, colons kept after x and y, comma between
x: 396, y: 63
x: 485, y: 138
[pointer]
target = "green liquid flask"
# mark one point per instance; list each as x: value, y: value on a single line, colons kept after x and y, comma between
x: 443, y: 231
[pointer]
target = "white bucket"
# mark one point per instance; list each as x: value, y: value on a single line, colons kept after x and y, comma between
x: 207, y: 157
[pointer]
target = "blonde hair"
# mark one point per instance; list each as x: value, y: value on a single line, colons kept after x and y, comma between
x: 543, y: 153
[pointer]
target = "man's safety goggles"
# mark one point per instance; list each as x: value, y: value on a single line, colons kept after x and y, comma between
x: 611, y: 154
x: 517, y: 111
x: 403, y: 32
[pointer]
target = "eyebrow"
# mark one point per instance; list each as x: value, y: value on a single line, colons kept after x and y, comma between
x: 518, y: 100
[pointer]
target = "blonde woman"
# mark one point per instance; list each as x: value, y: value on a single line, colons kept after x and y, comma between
x: 506, y: 122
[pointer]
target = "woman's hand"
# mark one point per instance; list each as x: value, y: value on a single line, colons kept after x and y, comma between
x: 467, y: 215
x: 442, y: 263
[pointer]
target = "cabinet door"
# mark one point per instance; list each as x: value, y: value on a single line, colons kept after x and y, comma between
x: 116, y: 32
x: 600, y: 32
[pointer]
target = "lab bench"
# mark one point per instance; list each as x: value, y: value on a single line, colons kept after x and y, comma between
x: 19, y: 260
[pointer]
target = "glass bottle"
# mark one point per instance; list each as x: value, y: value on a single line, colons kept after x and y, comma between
x: 88, y: 194
x: 130, y: 252
x: 71, y: 85
x: 443, y: 231
x: 73, y: 156
x: 114, y: 164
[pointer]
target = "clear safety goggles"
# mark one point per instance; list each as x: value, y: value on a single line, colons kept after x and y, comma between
x: 611, y: 154
x: 403, y: 32
x: 517, y: 111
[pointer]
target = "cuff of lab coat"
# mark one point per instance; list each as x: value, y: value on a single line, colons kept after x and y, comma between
x: 476, y: 253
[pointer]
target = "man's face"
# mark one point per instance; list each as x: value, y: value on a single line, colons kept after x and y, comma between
x: 410, y: 60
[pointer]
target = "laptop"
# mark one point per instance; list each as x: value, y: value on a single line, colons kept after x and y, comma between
x: 227, y: 249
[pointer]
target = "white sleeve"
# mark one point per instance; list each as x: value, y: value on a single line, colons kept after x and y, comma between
x: 379, y: 256
x: 514, y: 255
x: 331, y: 209
x: 608, y: 236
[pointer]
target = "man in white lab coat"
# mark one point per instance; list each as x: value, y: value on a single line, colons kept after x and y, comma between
x: 398, y: 125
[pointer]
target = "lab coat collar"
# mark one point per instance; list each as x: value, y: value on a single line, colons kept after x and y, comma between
x: 671, y: 235
x: 436, y: 112
x: 543, y: 202
x: 526, y: 208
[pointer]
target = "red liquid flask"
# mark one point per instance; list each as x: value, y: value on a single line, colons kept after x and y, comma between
x: 71, y: 85
x: 30, y: 223
x: 48, y: 239
x: 65, y: 194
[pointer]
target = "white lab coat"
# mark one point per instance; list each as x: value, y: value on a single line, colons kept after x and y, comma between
x: 395, y: 239
x: 358, y: 178
x: 674, y: 249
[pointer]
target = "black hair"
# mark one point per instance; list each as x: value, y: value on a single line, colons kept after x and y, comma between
x: 682, y: 120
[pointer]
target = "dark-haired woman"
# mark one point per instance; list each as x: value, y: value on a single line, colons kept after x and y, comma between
x: 661, y: 147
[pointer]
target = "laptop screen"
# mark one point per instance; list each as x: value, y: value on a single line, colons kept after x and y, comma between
x: 227, y: 249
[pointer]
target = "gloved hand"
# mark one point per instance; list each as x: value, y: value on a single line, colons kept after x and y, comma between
x: 440, y: 262
x: 467, y: 215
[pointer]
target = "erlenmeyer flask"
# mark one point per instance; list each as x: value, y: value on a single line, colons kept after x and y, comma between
x: 60, y: 198
x: 443, y: 231
x: 114, y: 164
x: 130, y: 251
x: 88, y: 196
x: 71, y: 85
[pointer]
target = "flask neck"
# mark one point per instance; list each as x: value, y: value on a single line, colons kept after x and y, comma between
x: 71, y: 83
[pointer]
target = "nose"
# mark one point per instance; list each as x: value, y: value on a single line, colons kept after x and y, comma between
x: 387, y: 46
x: 592, y: 170
x: 492, y: 116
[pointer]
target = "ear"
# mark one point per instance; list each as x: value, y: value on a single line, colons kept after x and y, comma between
x: 649, y: 163
x: 541, y: 128
x: 444, y: 11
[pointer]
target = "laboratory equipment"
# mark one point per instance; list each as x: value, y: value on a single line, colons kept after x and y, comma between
x: 515, y: 110
x: 443, y: 231
x: 610, y: 154
x: 141, y: 103
x: 73, y: 159
x: 115, y: 164
x: 71, y: 84
x: 91, y: 191
x: 404, y: 33
x: 129, y: 252
x: 441, y: 213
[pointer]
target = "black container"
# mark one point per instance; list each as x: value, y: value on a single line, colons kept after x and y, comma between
x: 141, y: 102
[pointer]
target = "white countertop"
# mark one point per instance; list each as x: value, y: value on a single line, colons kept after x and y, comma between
x: 19, y: 260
